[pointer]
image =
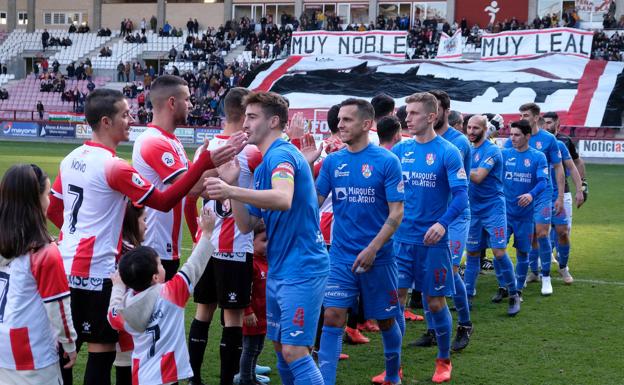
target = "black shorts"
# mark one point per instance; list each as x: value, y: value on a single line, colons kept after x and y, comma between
x: 171, y: 267
x: 226, y: 281
x: 89, y: 313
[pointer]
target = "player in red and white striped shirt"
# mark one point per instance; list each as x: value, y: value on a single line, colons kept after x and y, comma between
x: 152, y: 311
x: 35, y: 314
x: 88, y: 204
x: 227, y: 279
x: 160, y: 157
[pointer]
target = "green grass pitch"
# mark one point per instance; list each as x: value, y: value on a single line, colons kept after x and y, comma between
x: 571, y: 337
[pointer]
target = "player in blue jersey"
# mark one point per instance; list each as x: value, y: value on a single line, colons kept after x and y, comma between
x: 458, y: 230
x: 545, y: 142
x: 525, y: 180
x: 435, y: 195
x: 367, y: 198
x: 285, y: 199
x: 488, y: 223
x: 573, y: 166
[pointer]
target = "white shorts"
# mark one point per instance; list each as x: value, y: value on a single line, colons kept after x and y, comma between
x: 50, y: 375
x: 567, y: 206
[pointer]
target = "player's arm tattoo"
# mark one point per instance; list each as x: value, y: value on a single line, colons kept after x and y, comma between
x: 392, y: 223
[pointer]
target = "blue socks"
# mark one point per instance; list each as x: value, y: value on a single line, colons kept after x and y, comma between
x: 428, y: 316
x: 563, y: 254
x: 545, y: 254
x: 400, y: 320
x: 522, y: 268
x: 533, y: 258
x: 329, y: 354
x: 443, y: 324
x: 473, y: 266
x: 284, y: 370
x: 461, y: 301
x: 392, y: 339
x: 507, y: 273
x: 306, y: 372
x: 498, y: 272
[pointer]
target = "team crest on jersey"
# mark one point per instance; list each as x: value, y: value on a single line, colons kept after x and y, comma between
x: 168, y: 159
x: 430, y: 158
x: 367, y: 170
x: 527, y: 163
x: 136, y: 179
x: 461, y: 174
x: 538, y: 145
x: 477, y: 157
x: 401, y: 187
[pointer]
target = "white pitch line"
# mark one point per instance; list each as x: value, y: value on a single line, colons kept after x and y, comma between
x: 576, y: 280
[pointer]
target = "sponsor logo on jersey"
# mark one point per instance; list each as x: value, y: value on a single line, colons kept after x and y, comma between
x: 341, y: 193
x: 430, y: 158
x: 339, y: 173
x: 508, y: 175
x: 367, y: 170
x: 406, y: 158
x: 168, y: 159
x: 296, y: 333
x: 527, y: 163
x: 232, y: 297
x: 137, y: 180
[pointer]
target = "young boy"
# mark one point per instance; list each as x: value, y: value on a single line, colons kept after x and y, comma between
x: 152, y: 311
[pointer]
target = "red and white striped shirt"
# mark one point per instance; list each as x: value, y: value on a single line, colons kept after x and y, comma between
x: 28, y: 338
x: 160, y: 157
x: 93, y: 184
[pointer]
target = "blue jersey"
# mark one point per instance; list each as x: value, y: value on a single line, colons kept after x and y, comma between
x: 523, y: 170
x: 295, y: 247
x: 430, y: 170
x: 462, y: 143
x: 362, y: 184
x: 545, y: 142
x: 489, y: 193
x: 565, y: 155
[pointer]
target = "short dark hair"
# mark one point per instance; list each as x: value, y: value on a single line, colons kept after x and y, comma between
x: 332, y: 118
x: 387, y: 128
x: 259, y: 228
x: 138, y: 266
x: 443, y: 98
x: 523, y: 125
x: 551, y: 115
x: 454, y: 118
x: 272, y: 104
x: 233, y: 104
x: 534, y: 108
x: 383, y: 104
x: 164, y: 87
x: 100, y: 103
x: 401, y: 114
x: 365, y: 109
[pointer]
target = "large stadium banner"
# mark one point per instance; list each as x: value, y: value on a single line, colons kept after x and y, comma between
x: 583, y: 92
x: 534, y: 42
x: 450, y: 47
x: 329, y: 43
x: 601, y: 148
x: 484, y: 12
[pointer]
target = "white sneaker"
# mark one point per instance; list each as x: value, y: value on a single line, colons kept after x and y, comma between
x: 546, y: 286
x: 553, y: 259
x: 567, y: 277
x: 532, y: 277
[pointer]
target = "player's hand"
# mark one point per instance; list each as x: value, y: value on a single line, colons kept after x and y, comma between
x: 217, y: 189
x: 116, y: 278
x: 238, y: 141
x: 434, y: 234
x: 250, y: 320
x: 230, y: 171
x: 207, y: 220
x: 222, y: 155
x: 295, y: 128
x: 525, y: 199
x: 71, y: 356
x: 309, y: 149
x: 580, y: 199
x: 364, y: 260
x: 585, y: 188
x: 558, y: 205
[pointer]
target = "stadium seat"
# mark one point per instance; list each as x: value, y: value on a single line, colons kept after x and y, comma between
x: 609, y: 133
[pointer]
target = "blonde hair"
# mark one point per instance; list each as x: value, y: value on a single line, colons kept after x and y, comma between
x: 426, y: 99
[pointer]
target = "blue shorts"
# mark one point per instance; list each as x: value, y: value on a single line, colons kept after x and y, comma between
x: 293, y: 309
x: 376, y: 288
x: 522, y: 232
x: 562, y: 218
x: 542, y: 212
x: 487, y: 231
x: 429, y: 269
x: 458, y: 235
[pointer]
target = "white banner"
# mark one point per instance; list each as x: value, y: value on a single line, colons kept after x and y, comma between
x: 601, y: 148
x: 596, y: 6
x: 534, y: 42
x: 328, y: 43
x: 450, y: 47
x: 83, y: 131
